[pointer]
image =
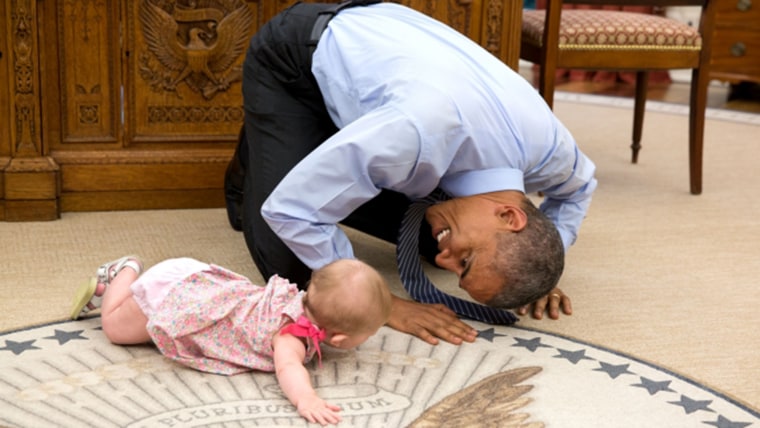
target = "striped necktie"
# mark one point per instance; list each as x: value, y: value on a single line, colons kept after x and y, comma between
x: 418, y: 285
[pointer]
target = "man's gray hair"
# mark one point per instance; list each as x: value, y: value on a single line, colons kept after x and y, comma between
x: 529, y: 261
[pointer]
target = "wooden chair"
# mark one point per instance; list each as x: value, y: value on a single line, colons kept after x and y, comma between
x: 597, y: 39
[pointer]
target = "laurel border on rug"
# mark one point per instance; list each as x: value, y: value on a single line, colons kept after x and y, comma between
x: 67, y: 374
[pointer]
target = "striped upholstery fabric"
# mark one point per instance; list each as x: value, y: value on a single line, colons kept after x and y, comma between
x: 604, y: 29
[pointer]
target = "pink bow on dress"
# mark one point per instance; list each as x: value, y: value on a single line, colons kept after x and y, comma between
x: 305, y: 328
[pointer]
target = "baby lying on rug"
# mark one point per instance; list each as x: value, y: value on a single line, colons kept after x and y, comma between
x: 214, y: 320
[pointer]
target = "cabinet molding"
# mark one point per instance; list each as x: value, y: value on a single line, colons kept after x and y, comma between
x: 136, y: 104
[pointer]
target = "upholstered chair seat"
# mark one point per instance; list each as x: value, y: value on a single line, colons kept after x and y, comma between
x: 616, y: 30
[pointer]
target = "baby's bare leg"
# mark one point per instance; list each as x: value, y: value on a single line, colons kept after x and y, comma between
x: 124, y: 323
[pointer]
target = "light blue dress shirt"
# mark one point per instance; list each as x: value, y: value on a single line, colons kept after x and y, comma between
x: 421, y: 106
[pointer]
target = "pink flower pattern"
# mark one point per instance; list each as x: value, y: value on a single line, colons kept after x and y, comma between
x: 217, y: 321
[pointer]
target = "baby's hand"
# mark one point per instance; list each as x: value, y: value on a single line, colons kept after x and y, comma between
x: 317, y: 410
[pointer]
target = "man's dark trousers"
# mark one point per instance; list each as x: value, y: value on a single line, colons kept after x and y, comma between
x: 285, y: 119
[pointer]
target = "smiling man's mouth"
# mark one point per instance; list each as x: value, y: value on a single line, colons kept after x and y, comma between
x: 440, y: 236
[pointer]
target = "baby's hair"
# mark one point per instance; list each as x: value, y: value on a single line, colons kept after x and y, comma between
x: 348, y: 296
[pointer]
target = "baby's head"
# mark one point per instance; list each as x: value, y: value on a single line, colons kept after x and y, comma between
x: 350, y: 300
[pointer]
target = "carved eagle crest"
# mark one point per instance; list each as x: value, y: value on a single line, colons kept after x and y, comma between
x: 196, y: 43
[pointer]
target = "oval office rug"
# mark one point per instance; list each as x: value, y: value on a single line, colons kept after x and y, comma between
x: 68, y: 375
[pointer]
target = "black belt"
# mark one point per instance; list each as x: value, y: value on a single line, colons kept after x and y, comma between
x: 324, y: 17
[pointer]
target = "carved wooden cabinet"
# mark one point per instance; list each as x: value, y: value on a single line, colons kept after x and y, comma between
x: 735, y: 52
x: 136, y: 104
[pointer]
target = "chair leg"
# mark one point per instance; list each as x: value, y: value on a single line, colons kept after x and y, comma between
x: 642, y: 80
x: 546, y: 79
x: 697, y: 106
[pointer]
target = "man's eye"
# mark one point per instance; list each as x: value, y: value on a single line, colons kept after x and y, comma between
x: 464, y: 262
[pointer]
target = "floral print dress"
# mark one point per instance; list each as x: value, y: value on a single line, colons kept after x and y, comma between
x: 215, y: 320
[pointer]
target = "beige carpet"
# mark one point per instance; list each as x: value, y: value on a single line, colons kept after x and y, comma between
x: 663, y: 283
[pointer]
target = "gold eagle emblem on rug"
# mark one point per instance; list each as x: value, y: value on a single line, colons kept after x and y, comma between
x: 492, y: 402
x: 196, y: 44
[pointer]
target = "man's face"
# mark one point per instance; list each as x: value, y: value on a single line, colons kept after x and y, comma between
x: 465, y: 229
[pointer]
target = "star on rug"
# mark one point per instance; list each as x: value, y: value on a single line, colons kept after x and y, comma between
x: 68, y: 375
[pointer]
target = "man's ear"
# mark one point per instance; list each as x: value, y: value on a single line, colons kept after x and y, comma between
x: 336, y: 339
x: 513, y: 217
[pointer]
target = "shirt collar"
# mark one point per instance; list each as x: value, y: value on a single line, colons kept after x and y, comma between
x: 468, y: 183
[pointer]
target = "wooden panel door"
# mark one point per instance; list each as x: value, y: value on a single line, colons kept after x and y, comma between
x: 150, y: 98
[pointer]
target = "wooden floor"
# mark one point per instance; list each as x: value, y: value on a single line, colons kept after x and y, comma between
x: 744, y: 97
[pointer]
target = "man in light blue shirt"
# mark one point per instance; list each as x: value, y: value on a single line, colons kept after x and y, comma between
x: 386, y: 107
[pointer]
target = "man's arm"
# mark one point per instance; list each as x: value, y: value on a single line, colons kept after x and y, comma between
x: 377, y: 151
x: 568, y: 197
x: 429, y: 322
x: 568, y: 183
